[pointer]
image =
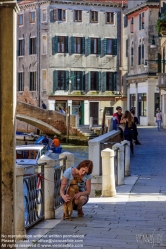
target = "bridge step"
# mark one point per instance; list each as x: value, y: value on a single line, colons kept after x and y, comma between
x: 85, y: 131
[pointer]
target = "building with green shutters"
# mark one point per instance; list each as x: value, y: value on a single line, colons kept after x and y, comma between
x: 73, y: 53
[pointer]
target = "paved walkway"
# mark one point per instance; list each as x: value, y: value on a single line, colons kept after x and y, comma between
x: 136, y: 218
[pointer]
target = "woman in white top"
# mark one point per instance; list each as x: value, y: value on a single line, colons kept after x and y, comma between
x: 158, y: 119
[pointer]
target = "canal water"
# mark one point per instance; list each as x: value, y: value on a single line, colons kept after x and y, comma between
x: 80, y: 152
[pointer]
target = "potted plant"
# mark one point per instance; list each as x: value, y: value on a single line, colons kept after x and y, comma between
x: 160, y: 23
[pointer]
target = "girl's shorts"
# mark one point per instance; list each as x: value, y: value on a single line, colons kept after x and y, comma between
x: 75, y: 206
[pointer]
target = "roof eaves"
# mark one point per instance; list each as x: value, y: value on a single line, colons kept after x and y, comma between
x: 130, y: 11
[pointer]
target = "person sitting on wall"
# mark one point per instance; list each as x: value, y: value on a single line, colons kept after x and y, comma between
x: 56, y: 142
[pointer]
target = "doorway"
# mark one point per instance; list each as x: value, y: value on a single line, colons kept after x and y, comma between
x: 94, y: 112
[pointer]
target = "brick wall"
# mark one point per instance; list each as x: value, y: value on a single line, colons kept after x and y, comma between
x: 53, y: 118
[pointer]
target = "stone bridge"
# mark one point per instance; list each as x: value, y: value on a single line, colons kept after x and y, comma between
x: 48, y: 121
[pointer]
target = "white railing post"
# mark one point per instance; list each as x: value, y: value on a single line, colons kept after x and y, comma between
x: 91, y: 123
x: 69, y: 160
x: 120, y: 162
x: 19, y: 213
x: 108, y: 177
x: 127, y: 156
x: 49, y: 211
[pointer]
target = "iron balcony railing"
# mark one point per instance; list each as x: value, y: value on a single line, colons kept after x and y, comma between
x: 34, y: 191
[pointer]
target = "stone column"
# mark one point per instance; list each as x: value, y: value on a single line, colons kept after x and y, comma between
x: 69, y: 103
x: 7, y: 115
x: 19, y: 212
x: 69, y: 160
x: 86, y: 112
x: 91, y: 123
x: 127, y: 157
x: 51, y: 104
x: 108, y: 177
x: 49, y: 212
x: 120, y: 152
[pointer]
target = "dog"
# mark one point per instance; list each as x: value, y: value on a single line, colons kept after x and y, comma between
x: 71, y: 191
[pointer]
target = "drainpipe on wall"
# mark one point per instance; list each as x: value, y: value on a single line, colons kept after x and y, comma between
x: 38, y: 55
x: 121, y: 47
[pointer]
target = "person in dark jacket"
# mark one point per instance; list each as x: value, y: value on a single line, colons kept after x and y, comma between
x: 135, y: 131
x: 128, y: 121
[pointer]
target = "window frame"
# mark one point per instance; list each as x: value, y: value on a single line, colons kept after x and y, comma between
x: 20, y: 85
x: 44, y: 52
x: 61, y: 84
x: 92, y: 40
x: 94, y: 12
x: 33, y: 85
x: 56, y: 14
x: 94, y: 84
x: 60, y: 38
x: 20, y: 24
x: 42, y: 11
x: 112, y: 52
x: 79, y: 11
x: 77, y: 76
x: 32, y: 46
x: 22, y: 47
x: 76, y: 45
x: 110, y: 13
x: 30, y: 17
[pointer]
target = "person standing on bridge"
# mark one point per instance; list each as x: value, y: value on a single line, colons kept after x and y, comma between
x: 44, y: 105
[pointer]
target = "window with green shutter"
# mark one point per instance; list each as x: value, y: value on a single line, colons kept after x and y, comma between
x: 103, y: 88
x: 83, y: 45
x: 83, y: 81
x: 98, y: 87
x: 88, y: 81
x: 55, y: 45
x: 99, y: 45
x: 72, y: 45
x: 105, y: 46
x: 66, y: 80
x: 115, y: 47
x: 115, y: 81
x: 55, y: 80
x: 89, y: 45
x: 71, y: 78
x: 66, y: 44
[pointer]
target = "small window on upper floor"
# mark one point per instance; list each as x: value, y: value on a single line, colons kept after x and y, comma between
x: 93, y: 16
x: 44, y: 15
x: 32, y: 17
x: 110, y: 17
x: 59, y: 14
x: 20, y: 19
x: 78, y: 15
x: 141, y: 21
